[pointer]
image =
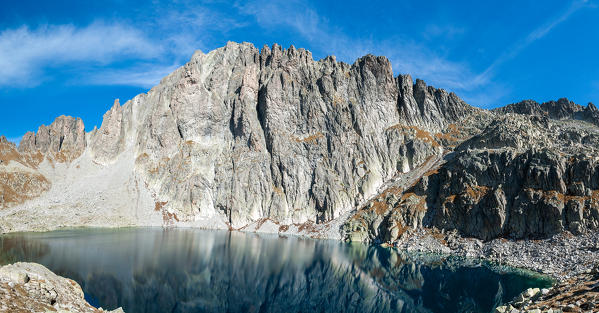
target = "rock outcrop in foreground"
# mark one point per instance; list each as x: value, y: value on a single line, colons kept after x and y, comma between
x: 578, y: 294
x: 271, y: 140
x: 30, y: 287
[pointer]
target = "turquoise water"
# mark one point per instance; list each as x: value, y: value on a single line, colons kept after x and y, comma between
x: 181, y: 270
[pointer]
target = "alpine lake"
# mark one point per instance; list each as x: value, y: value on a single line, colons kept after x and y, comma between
x: 190, y: 270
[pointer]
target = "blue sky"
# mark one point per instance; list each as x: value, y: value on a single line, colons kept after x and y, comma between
x: 75, y: 57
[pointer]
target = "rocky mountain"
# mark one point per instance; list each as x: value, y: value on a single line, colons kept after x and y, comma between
x: 272, y: 140
x: 560, y: 109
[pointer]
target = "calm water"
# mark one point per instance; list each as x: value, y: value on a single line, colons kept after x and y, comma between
x: 155, y: 270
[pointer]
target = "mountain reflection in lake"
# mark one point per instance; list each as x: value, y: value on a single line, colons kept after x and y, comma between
x: 180, y: 270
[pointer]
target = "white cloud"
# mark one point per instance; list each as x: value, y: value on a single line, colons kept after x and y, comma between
x: 119, y: 54
x: 533, y: 36
x: 406, y: 56
x: 147, y: 76
x: 25, y: 53
x: 112, y: 53
x: 187, y: 26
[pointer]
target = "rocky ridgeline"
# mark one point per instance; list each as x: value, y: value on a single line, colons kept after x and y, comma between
x: 241, y: 136
x: 64, y: 139
x: 560, y: 109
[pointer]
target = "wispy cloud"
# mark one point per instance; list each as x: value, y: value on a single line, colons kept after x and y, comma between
x: 25, y: 53
x: 533, y: 36
x: 146, y: 75
x: 448, y: 31
x: 165, y: 36
x: 405, y: 55
x: 112, y: 53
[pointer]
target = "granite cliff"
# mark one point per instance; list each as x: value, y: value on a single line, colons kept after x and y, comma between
x: 272, y: 140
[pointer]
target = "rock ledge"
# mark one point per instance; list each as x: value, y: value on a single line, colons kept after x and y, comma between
x: 30, y: 287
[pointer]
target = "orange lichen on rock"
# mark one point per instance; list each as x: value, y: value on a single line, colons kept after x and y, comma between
x: 310, y: 139
x: 337, y: 100
x: 449, y: 199
x: 435, y: 233
x: 476, y: 192
x: 278, y: 190
x: 426, y: 136
x: 410, y: 196
x: 283, y: 228
x: 9, y: 153
x: 17, y: 187
x: 379, y: 207
x: 261, y: 222
x: 142, y: 157
x: 595, y: 197
x: 431, y: 172
x: 307, y: 226
x: 393, y: 190
x: 169, y: 218
x: 417, y: 132
x: 400, y: 227
x: 159, y: 205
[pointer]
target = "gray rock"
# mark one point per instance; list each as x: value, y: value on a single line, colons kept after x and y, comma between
x: 64, y: 138
x: 33, y: 288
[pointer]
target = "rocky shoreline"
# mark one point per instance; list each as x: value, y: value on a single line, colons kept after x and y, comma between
x: 561, y: 257
x: 30, y: 287
x: 577, y: 294
x: 573, y: 261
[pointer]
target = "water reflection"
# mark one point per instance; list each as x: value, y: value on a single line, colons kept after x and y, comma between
x: 155, y: 270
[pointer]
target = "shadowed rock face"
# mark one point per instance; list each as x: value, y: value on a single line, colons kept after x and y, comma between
x: 242, y: 135
x: 523, y: 176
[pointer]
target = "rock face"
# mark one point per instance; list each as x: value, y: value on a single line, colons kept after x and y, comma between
x: 19, y: 180
x: 427, y: 106
x: 239, y: 136
x: 64, y: 138
x: 521, y: 177
x: 30, y: 287
x: 252, y: 134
